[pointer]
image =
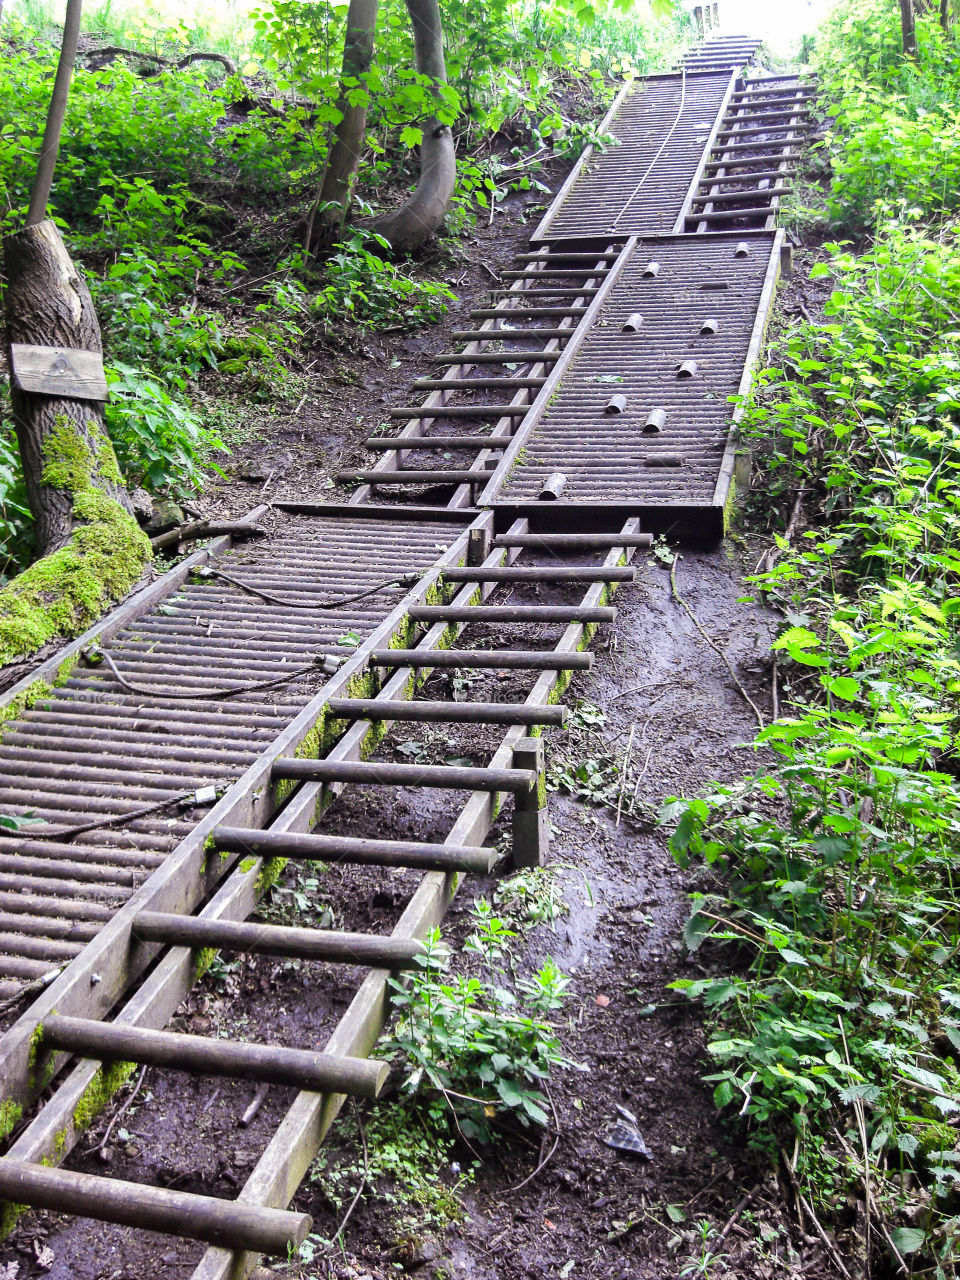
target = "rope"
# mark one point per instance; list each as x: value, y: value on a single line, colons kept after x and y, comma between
x: 683, y: 97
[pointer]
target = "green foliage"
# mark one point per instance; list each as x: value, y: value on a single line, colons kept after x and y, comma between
x: 895, y: 133
x: 365, y: 289
x: 475, y: 1048
x: 15, y: 517
x: 837, y: 1037
x: 404, y: 1169
x: 158, y: 441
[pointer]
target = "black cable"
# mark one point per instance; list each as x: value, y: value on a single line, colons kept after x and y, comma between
x: 333, y: 602
x: 324, y: 662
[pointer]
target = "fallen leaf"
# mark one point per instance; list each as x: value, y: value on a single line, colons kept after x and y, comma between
x: 549, y: 1225
x: 602, y: 1001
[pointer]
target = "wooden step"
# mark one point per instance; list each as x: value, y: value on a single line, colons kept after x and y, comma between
x: 377, y: 773
x: 254, y: 938
x: 542, y: 573
x: 271, y: 1064
x: 445, y: 712
x: 478, y: 659
x: 357, y: 851
x: 227, y: 1224
x: 573, y: 541
x: 387, y: 444
x: 510, y: 613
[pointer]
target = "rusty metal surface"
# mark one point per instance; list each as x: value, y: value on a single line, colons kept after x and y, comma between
x: 638, y: 187
x: 91, y: 749
x: 608, y: 457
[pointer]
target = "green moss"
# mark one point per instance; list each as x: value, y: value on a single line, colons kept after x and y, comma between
x: 23, y: 702
x: 10, y: 1116
x: 247, y: 865
x: 9, y: 1215
x: 105, y: 1083
x: 64, y: 592
x: 205, y: 958
x: 269, y: 875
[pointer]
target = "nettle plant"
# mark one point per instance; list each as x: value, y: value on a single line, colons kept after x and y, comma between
x: 831, y: 878
x: 478, y: 1050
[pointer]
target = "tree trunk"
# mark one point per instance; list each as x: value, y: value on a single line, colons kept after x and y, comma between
x: 340, y: 174
x: 417, y: 220
x: 908, y: 27
x: 945, y: 14
x: 49, y: 304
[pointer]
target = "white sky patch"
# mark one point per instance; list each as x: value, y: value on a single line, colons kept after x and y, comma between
x: 776, y: 22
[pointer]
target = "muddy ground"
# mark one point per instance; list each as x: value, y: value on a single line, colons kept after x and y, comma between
x: 700, y: 1204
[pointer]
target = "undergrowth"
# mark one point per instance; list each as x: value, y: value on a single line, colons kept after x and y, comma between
x: 829, y: 906
x: 183, y: 192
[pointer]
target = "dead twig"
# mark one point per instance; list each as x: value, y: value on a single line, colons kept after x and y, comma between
x: 99, y: 1148
x: 711, y: 642
x: 807, y: 1209
x: 363, y: 1181
x: 258, y: 1100
x: 745, y: 1203
x: 549, y: 1156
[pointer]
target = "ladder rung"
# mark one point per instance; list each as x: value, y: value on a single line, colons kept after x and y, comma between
x: 508, y: 335
x: 510, y: 613
x: 740, y: 197
x: 375, y: 853
x: 271, y: 1064
x: 228, y: 1224
x: 573, y: 541
x: 477, y: 384
x: 461, y: 411
x: 515, y: 659
x: 445, y: 777
x: 276, y: 940
x: 445, y: 712
x: 497, y: 357
x: 413, y: 476
x: 387, y: 444
x: 524, y: 313
x: 542, y: 573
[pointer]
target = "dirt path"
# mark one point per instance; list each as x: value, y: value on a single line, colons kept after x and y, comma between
x: 661, y: 692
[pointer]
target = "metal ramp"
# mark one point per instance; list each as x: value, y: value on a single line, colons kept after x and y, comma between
x: 638, y: 419
x: 666, y: 126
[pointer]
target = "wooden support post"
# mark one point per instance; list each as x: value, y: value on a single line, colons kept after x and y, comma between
x: 478, y: 546
x: 531, y: 832
x: 786, y: 259
x: 698, y: 19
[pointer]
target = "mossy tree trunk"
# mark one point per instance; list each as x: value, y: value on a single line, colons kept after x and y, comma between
x: 417, y: 220
x: 49, y: 304
x: 336, y: 190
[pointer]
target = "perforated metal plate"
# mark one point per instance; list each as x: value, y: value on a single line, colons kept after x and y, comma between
x: 610, y: 459
x: 665, y: 125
